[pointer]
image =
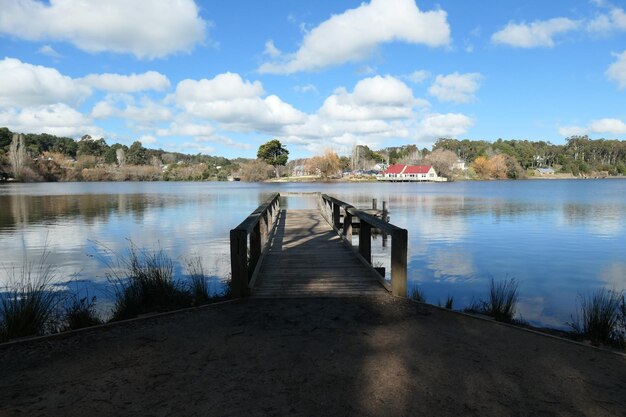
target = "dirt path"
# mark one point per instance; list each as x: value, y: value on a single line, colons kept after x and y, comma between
x: 311, y: 357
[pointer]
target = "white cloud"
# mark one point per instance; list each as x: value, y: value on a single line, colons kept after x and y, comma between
x: 418, y: 77
x: 143, y: 113
x: 146, y: 29
x: 237, y: 104
x: 307, y: 88
x: 27, y: 85
x: 354, y: 35
x: 613, y: 21
x: 455, y: 87
x: 57, y: 119
x: 600, y: 126
x: 187, y: 129
x: 48, y: 50
x: 117, y: 83
x: 271, y: 49
x: 445, y: 125
x: 378, y: 109
x: 148, y: 140
x: 373, y: 98
x: 536, y: 34
x: 617, y: 71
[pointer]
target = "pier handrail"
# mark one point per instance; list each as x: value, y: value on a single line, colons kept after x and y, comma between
x: 257, y: 226
x: 399, y: 238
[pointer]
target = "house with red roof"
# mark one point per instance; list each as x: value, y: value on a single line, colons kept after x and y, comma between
x: 399, y: 172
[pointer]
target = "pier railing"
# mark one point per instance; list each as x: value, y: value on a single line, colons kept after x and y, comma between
x: 247, y: 243
x: 333, y: 209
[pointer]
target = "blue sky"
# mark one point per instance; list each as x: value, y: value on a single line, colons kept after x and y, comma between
x: 222, y: 78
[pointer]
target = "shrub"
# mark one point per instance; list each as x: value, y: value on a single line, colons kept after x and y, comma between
x: 29, y: 305
x: 418, y: 295
x: 601, y: 317
x: 503, y: 296
x: 145, y: 284
x: 80, y: 312
x: 199, y: 284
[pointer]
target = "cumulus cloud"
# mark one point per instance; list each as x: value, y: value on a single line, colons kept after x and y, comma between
x: 237, y: 104
x: 376, y: 110
x: 146, y: 29
x: 617, y: 71
x: 455, y: 87
x: 57, y: 119
x: 48, y: 50
x: 355, y: 34
x: 187, y: 129
x: 540, y: 33
x: 600, y: 126
x: 307, y: 88
x: 117, y: 83
x: 373, y: 98
x: 271, y: 49
x: 24, y: 84
x: 418, y: 77
x: 445, y: 125
x: 143, y: 113
x: 613, y: 21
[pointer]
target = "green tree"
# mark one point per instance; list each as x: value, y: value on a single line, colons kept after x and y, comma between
x: 5, y: 139
x: 110, y: 157
x: 89, y: 146
x: 274, y: 154
x: 137, y: 154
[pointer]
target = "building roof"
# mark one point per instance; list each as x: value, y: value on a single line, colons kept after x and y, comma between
x: 419, y: 169
x: 407, y: 169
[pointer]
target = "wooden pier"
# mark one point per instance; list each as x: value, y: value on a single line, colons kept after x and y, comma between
x: 301, y: 253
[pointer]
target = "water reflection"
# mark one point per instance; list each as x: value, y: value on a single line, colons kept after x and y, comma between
x: 20, y: 210
x: 558, y: 238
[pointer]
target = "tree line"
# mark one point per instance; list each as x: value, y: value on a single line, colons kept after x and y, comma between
x: 45, y: 157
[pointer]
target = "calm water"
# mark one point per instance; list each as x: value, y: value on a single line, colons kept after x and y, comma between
x: 558, y: 238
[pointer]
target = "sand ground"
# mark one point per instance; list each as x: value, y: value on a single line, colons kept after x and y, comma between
x: 378, y: 356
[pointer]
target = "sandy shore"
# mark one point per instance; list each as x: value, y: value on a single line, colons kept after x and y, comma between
x: 311, y: 357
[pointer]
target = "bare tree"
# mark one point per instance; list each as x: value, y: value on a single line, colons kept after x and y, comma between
x: 120, y: 154
x: 17, y: 152
x: 256, y: 170
x: 443, y: 162
x: 326, y: 165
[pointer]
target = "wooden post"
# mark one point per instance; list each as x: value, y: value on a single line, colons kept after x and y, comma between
x: 399, y: 245
x: 365, y: 241
x: 255, y: 247
x: 386, y: 220
x: 336, y: 215
x: 264, y: 222
x: 239, y: 262
x: 374, y: 204
x: 347, y: 226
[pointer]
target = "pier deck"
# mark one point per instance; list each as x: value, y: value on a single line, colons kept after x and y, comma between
x: 306, y: 257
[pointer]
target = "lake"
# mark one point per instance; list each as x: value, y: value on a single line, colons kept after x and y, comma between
x: 558, y: 238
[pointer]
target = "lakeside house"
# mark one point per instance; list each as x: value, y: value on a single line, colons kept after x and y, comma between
x: 545, y: 171
x: 400, y: 173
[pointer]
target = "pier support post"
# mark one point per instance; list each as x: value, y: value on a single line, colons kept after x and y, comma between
x: 239, y: 262
x: 374, y: 204
x: 399, y: 245
x: 347, y: 226
x: 336, y: 215
x: 255, y: 246
x: 365, y: 241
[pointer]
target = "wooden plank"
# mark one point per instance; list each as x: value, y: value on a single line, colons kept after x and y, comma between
x: 307, y: 258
